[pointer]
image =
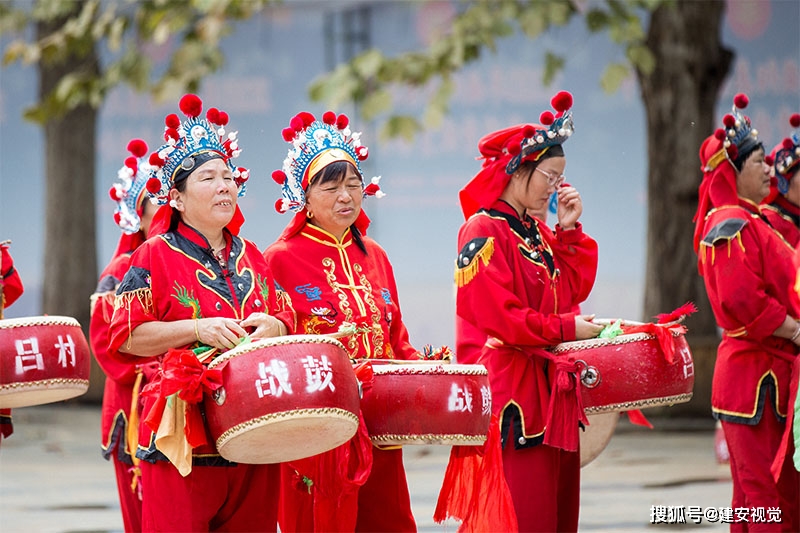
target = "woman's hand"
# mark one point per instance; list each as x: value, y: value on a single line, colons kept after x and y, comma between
x: 570, y: 207
x: 265, y: 325
x: 585, y: 328
x: 222, y: 333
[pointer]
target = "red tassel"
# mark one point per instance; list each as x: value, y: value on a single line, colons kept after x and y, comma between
x: 637, y: 418
x: 686, y: 309
x: 565, y: 409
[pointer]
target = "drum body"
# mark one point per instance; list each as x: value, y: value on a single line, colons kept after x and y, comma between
x: 427, y: 403
x: 596, y: 436
x: 43, y: 359
x: 283, y: 399
x: 630, y: 372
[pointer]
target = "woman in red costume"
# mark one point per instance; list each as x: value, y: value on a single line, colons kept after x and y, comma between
x: 195, y: 283
x: 337, y: 277
x: 748, y: 273
x: 782, y: 205
x: 133, y: 214
x: 518, y: 286
x: 10, y: 289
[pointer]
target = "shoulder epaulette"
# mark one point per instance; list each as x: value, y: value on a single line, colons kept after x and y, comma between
x: 475, y: 252
x: 724, y: 231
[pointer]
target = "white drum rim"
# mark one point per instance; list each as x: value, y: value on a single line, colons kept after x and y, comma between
x: 69, y: 387
x: 284, y: 340
x: 44, y: 320
x: 640, y: 404
x: 264, y: 420
x: 429, y: 369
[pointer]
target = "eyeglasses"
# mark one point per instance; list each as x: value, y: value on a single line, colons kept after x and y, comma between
x: 553, y: 180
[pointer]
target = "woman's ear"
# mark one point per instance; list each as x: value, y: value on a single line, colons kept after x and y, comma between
x: 175, y: 200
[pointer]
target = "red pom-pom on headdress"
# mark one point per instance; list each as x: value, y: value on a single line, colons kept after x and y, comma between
x: 769, y: 160
x: 244, y: 175
x: 137, y: 147
x: 171, y: 133
x: 794, y: 120
x: 741, y: 100
x: 213, y: 115
x: 191, y: 105
x: 528, y: 131
x: 279, y: 176
x: 223, y: 118
x: 280, y: 206
x: 719, y: 134
x: 156, y: 160
x: 546, y: 119
x: 342, y: 121
x: 514, y: 149
x: 307, y: 118
x: 117, y: 218
x: 329, y: 117
x: 729, y: 121
x: 172, y: 121
x: 562, y: 101
x: 115, y: 193
x: 132, y: 163
x: 153, y: 185
x: 733, y: 151
x: 788, y: 144
x: 297, y: 123
x: 362, y: 152
x: 288, y: 134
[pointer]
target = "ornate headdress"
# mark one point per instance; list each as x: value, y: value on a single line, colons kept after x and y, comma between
x: 738, y: 137
x: 130, y: 191
x: 315, y: 145
x: 190, y: 144
x: 786, y: 156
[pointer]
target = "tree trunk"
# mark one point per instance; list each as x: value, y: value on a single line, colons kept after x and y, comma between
x: 679, y: 97
x: 70, y: 270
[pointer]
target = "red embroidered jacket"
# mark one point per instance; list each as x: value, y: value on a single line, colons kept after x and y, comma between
x: 10, y: 282
x: 175, y: 277
x: 749, y: 276
x: 785, y: 218
x: 518, y: 285
x: 332, y: 282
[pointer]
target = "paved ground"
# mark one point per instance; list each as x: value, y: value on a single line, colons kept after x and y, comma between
x: 53, y: 479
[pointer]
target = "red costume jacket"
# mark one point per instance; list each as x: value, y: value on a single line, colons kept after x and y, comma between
x: 333, y: 282
x: 10, y: 282
x: 748, y: 272
x: 120, y: 376
x: 785, y: 218
x: 175, y: 276
x: 518, y: 286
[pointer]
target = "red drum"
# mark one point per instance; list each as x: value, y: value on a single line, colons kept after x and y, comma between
x: 427, y: 403
x: 597, y: 435
x: 283, y: 399
x: 630, y: 372
x: 43, y: 359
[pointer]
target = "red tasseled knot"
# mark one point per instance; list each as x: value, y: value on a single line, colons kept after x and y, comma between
x: 117, y: 218
x: 342, y: 121
x: 288, y: 134
x: 733, y: 151
x: 546, y: 118
x: 223, y: 118
x: 171, y: 133
x: 561, y: 101
x: 213, y: 115
x: 371, y: 189
x: 297, y: 123
x: 279, y: 206
x: 794, y: 120
x: 769, y: 160
x: 514, y: 149
x: 362, y: 152
x: 306, y: 117
x: 564, y: 381
x: 172, y: 121
x: 115, y: 194
x: 719, y: 134
x: 729, y: 121
x: 788, y: 144
x: 329, y: 117
x: 529, y: 131
x: 191, y: 105
x: 132, y: 163
x: 741, y: 100
x: 137, y: 147
x: 279, y: 176
x: 156, y: 160
x: 153, y: 185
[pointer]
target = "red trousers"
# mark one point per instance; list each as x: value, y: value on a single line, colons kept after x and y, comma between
x: 545, y: 485
x: 129, y: 501
x: 210, y: 498
x: 752, y: 450
x: 381, y: 504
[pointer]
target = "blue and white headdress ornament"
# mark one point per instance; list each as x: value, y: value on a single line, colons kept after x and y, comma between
x: 315, y: 145
x: 190, y: 144
x: 786, y: 156
x: 130, y: 192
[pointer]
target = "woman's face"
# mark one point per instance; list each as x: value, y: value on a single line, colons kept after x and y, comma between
x: 336, y: 204
x: 534, y: 193
x: 752, y: 183
x: 209, y: 200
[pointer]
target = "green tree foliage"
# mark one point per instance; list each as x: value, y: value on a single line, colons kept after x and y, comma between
x: 368, y: 78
